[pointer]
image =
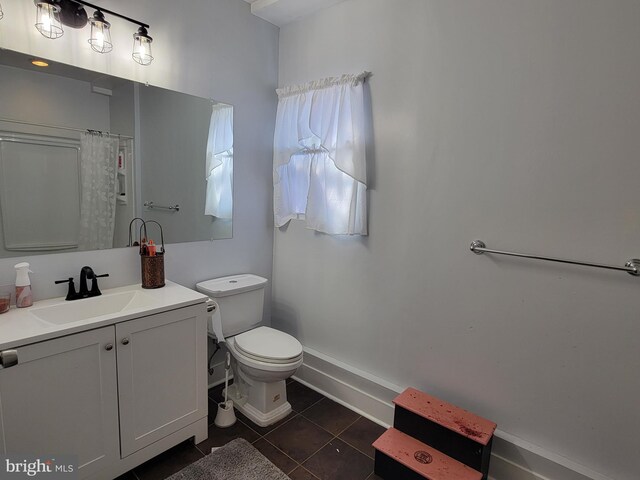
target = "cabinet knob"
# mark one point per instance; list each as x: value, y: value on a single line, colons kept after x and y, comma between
x: 108, y: 347
x: 125, y: 341
x: 8, y: 358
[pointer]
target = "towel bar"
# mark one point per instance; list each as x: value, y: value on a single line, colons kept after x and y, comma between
x: 632, y: 267
x: 164, y: 207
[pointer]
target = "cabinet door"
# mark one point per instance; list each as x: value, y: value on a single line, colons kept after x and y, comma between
x: 162, y: 375
x: 61, y: 398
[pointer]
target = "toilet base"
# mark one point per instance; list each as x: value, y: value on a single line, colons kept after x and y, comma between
x: 262, y: 419
x: 265, y: 419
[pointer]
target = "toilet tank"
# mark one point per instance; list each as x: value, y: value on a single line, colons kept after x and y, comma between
x: 240, y: 297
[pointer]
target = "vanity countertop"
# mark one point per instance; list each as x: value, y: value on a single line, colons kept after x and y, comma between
x: 22, y: 326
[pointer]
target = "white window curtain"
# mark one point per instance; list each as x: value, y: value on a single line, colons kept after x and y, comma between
x: 219, y: 164
x: 98, y: 156
x: 319, y: 165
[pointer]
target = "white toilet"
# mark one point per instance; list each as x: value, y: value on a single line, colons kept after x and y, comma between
x: 262, y: 357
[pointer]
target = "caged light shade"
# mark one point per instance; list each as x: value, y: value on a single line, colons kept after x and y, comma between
x: 142, y: 47
x: 100, y: 39
x: 48, y: 19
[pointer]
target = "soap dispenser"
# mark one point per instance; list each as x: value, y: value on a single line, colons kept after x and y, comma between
x: 24, y: 296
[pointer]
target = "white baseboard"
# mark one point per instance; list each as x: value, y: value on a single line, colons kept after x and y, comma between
x: 511, y: 458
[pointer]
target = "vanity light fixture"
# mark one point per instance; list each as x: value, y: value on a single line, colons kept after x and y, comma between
x: 48, y: 19
x: 1, y: 12
x: 52, y: 14
x: 142, y: 47
x: 100, y: 39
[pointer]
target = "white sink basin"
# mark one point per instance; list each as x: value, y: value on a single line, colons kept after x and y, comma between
x: 88, y: 308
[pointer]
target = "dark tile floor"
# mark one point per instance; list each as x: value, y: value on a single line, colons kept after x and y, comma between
x: 319, y: 440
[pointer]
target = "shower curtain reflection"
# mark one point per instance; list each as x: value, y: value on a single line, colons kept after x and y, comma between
x: 98, y: 156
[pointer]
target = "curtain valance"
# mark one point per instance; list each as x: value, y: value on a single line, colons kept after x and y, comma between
x: 319, y: 164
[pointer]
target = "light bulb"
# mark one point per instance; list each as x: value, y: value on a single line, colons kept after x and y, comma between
x: 46, y: 22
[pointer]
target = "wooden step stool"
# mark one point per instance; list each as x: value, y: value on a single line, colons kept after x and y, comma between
x: 455, y: 432
x: 399, y: 456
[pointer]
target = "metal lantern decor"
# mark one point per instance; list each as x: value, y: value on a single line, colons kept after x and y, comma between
x: 142, y: 47
x: 48, y: 19
x: 100, y: 39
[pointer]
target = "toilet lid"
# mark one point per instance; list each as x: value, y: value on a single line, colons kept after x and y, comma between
x: 269, y: 344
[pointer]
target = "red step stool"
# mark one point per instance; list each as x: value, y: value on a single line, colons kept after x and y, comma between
x: 455, y: 432
x: 399, y: 456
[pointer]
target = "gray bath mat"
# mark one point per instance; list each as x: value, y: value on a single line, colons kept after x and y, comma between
x: 237, y: 460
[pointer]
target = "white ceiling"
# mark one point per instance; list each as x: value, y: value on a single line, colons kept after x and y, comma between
x: 281, y: 12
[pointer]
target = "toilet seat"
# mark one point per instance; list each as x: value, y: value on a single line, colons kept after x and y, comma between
x: 268, y: 345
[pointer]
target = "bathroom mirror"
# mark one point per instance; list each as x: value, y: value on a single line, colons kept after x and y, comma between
x: 82, y: 154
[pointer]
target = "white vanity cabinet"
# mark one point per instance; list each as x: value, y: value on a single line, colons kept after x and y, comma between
x: 115, y: 396
x: 62, y: 398
x: 162, y: 375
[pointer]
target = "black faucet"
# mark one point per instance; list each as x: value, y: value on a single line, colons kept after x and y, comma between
x: 86, y: 273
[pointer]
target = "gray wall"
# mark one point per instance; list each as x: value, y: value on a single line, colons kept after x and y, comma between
x: 50, y: 99
x: 212, y: 50
x: 513, y: 122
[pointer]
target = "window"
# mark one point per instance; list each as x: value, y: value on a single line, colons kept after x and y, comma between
x: 319, y: 156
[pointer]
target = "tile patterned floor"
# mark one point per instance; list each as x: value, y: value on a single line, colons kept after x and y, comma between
x: 319, y: 440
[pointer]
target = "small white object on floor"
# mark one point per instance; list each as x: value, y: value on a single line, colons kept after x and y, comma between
x: 226, y: 416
